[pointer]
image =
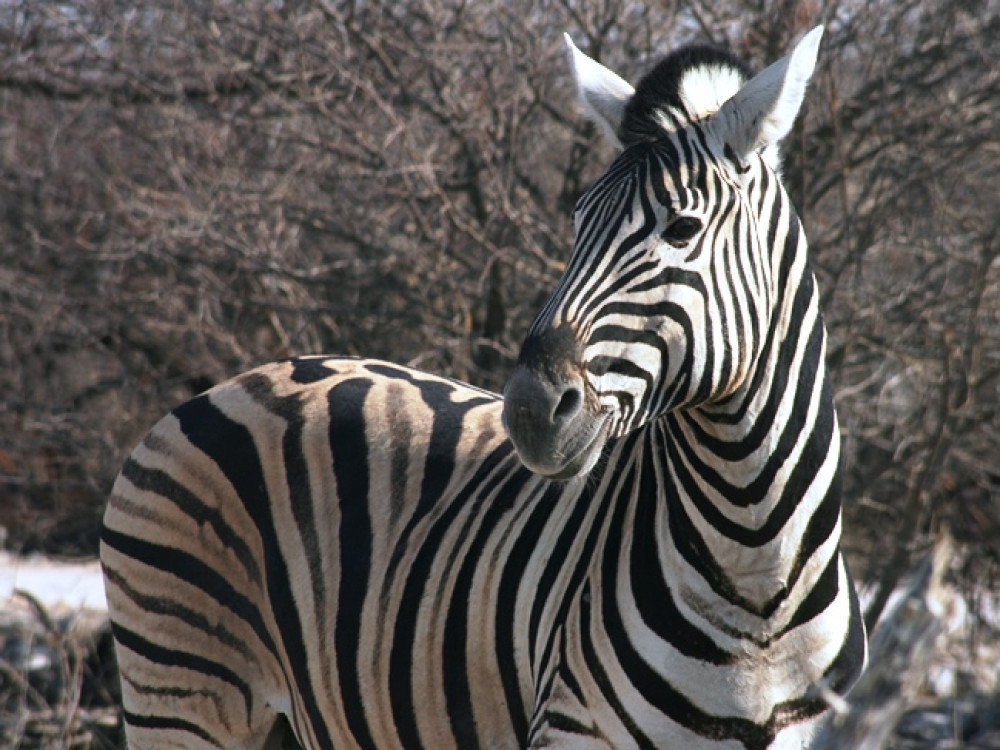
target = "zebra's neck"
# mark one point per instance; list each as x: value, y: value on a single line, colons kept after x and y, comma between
x: 751, y: 487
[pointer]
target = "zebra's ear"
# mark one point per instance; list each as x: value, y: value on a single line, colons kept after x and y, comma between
x: 763, y: 111
x: 603, y: 92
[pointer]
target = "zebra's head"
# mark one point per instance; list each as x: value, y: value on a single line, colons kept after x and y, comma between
x: 670, y: 290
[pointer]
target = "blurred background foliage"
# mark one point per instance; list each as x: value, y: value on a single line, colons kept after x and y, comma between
x: 188, y: 189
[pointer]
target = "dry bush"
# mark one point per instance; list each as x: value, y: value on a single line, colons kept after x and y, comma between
x: 906, y: 234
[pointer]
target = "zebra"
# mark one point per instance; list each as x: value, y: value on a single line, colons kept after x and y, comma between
x: 637, y: 546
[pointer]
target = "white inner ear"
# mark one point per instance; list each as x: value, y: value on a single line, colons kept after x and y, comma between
x: 764, y: 110
x: 603, y: 92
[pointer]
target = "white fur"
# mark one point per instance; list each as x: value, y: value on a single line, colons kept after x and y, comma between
x: 706, y: 88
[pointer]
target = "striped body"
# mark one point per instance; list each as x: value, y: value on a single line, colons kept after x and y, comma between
x: 637, y: 547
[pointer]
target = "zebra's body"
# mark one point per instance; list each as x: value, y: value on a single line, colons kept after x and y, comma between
x: 355, y: 551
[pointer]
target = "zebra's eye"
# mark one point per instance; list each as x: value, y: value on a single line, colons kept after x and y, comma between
x: 680, y: 231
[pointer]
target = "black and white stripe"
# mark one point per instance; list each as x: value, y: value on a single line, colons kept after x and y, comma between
x: 638, y: 546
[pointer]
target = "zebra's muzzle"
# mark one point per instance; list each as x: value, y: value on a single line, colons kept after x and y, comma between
x: 555, y: 430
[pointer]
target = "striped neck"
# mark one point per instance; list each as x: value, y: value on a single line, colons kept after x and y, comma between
x: 753, y: 505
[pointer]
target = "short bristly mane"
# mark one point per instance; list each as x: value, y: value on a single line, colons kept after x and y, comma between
x: 687, y: 85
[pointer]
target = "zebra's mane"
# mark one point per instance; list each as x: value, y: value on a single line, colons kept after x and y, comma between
x: 687, y: 85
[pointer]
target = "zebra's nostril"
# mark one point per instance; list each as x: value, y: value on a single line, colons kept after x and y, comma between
x: 569, y: 404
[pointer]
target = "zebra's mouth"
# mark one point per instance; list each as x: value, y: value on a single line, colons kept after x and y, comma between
x: 581, y: 458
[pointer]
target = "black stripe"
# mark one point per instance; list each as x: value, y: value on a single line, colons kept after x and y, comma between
x: 653, y: 597
x: 164, y: 485
x: 569, y: 536
x: 722, y: 346
x: 569, y: 725
x: 232, y: 447
x: 694, y: 549
x: 169, y: 723
x: 571, y: 532
x: 170, y: 657
x: 804, y: 290
x: 791, y: 431
x: 297, y: 480
x: 602, y: 365
x: 669, y: 276
x: 742, y: 257
x: 310, y: 370
x: 194, y: 618
x: 665, y: 697
x: 514, y: 568
x: 821, y: 596
x: 764, y: 421
x: 404, y: 640
x: 194, y: 573
x: 838, y: 677
x: 349, y: 448
x: 595, y: 661
x: 774, y: 211
x: 499, y: 496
